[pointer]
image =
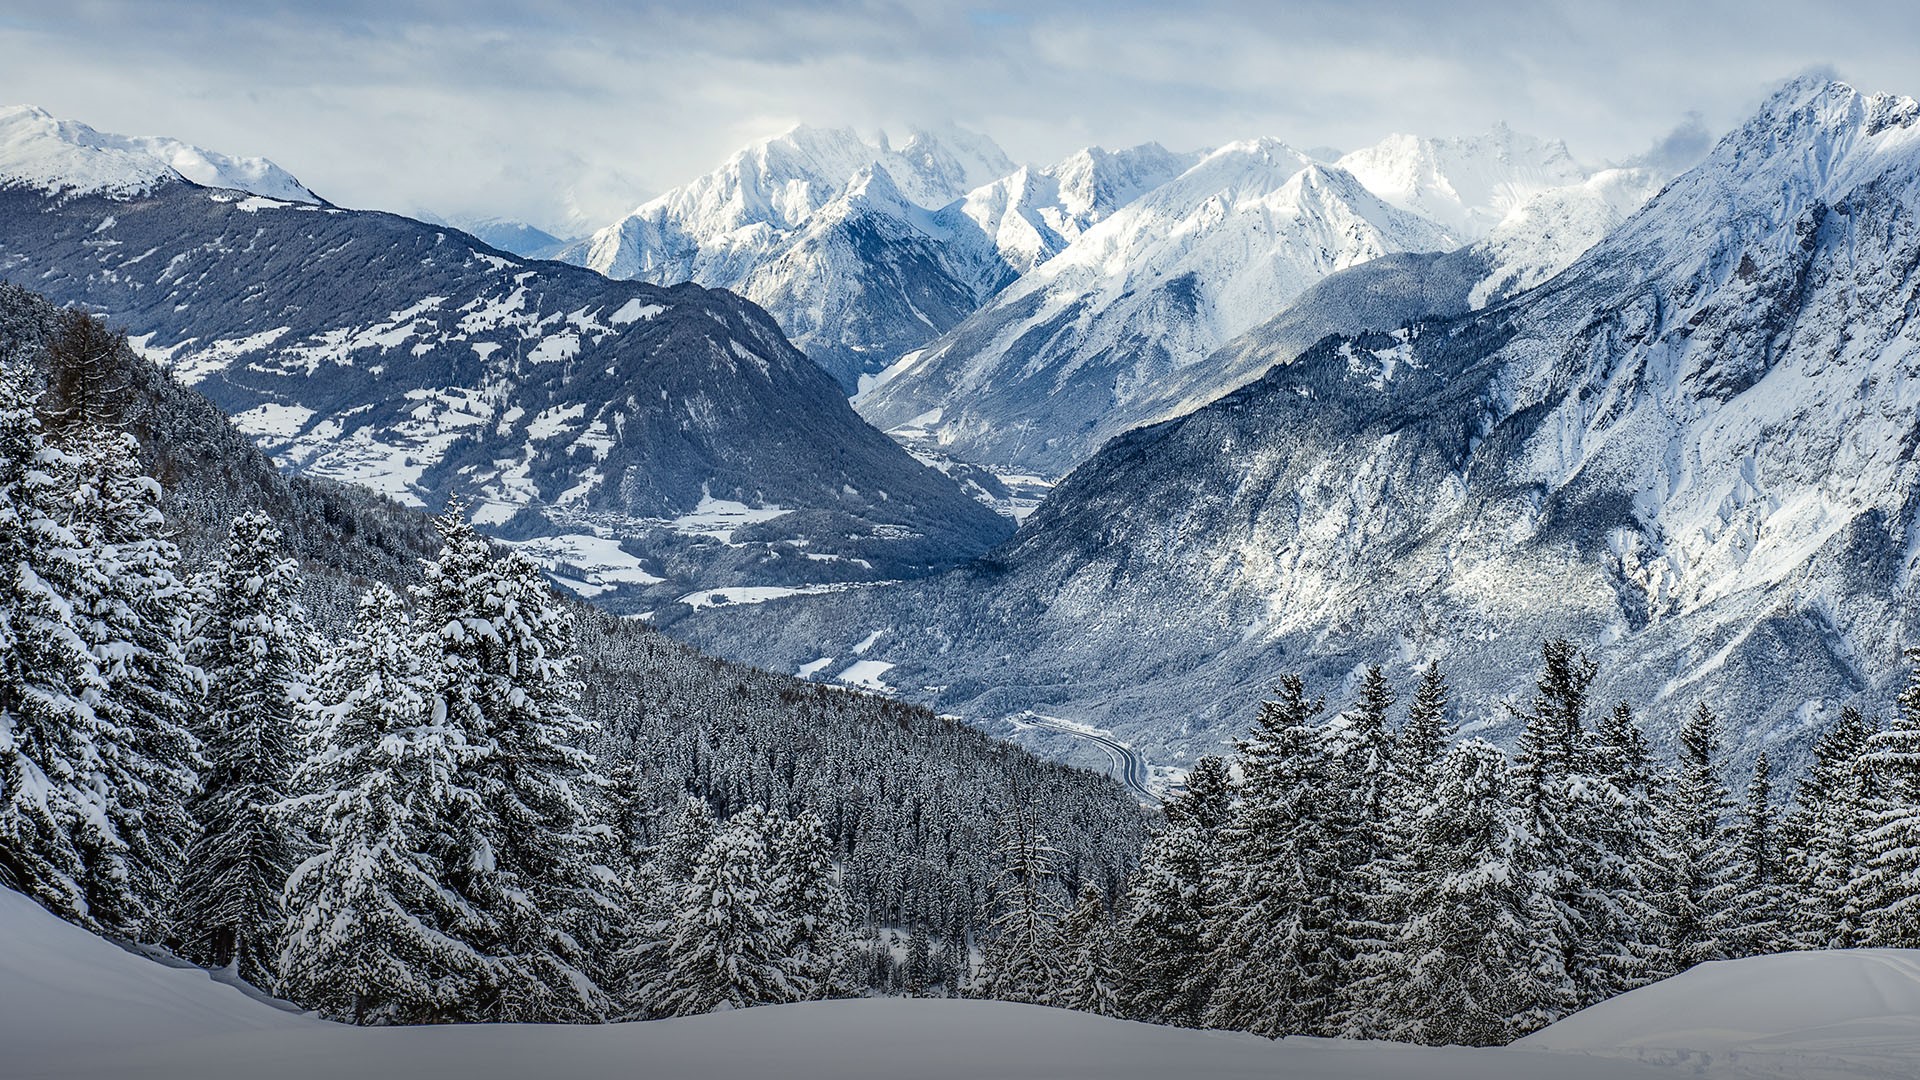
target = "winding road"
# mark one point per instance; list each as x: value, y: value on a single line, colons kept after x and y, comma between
x: 1128, y: 766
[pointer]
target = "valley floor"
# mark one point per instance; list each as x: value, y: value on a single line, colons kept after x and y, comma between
x: 74, y: 1006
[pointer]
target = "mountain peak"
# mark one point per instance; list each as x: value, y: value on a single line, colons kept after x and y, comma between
x: 65, y: 156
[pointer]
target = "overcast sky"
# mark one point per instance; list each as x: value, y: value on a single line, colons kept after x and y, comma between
x: 568, y: 112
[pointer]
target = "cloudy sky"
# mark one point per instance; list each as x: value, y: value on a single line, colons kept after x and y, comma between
x: 568, y: 112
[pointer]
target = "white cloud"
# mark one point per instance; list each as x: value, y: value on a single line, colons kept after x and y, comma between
x: 585, y: 107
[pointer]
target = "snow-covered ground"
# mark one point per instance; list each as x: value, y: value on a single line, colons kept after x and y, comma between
x: 75, y: 1006
x: 1796, y: 1016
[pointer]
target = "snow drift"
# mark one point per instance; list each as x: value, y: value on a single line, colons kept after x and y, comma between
x: 75, y: 1006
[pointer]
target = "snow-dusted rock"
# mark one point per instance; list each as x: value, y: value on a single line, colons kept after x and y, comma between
x: 1693, y: 452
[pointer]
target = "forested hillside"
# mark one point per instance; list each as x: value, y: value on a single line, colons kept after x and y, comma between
x: 276, y: 649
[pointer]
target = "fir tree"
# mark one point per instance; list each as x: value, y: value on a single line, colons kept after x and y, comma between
x: 1552, y: 785
x: 1090, y: 980
x: 1890, y: 884
x: 369, y: 930
x: 1699, y: 888
x: 1470, y: 965
x: 136, y: 621
x: 1631, y: 942
x: 1023, y: 960
x: 1834, y: 808
x: 1272, y: 956
x: 54, y: 824
x: 246, y: 640
x: 814, y: 907
x: 1164, y: 933
x: 726, y: 949
x: 1368, y: 876
x: 1756, y: 916
x: 518, y: 848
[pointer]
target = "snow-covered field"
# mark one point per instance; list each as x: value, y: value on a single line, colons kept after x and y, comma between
x: 75, y: 1006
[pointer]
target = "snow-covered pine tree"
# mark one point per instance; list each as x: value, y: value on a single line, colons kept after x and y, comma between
x: 1272, y: 960
x: 496, y: 647
x: 246, y: 639
x: 54, y: 826
x: 1755, y: 921
x: 1833, y: 810
x: 1553, y: 791
x: 368, y: 937
x: 806, y: 889
x: 1630, y: 949
x: 1368, y: 879
x: 656, y: 890
x: 1470, y: 966
x: 1891, y: 884
x: 1162, y: 933
x: 1698, y: 888
x: 1023, y: 960
x: 1091, y: 980
x: 919, y: 966
x: 1205, y: 800
x: 727, y: 945
x: 1422, y: 743
x: 136, y: 619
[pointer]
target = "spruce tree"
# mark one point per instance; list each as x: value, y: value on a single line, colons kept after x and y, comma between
x: 726, y: 949
x: 518, y: 849
x: 1164, y: 933
x: 1756, y: 926
x: 1890, y: 884
x: 1272, y: 957
x: 1699, y: 886
x: 247, y: 641
x: 814, y: 907
x: 136, y: 620
x: 1629, y: 941
x: 1090, y: 983
x: 370, y: 933
x: 1369, y: 875
x: 1023, y: 960
x: 1825, y: 837
x: 1470, y: 969
x: 1551, y: 778
x: 54, y: 826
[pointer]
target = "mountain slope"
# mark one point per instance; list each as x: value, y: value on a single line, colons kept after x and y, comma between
x: 379, y: 350
x: 813, y: 224
x: 1066, y: 356
x: 1694, y: 451
x: 912, y: 799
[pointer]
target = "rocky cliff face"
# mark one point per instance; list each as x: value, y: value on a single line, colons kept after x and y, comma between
x: 1695, y: 452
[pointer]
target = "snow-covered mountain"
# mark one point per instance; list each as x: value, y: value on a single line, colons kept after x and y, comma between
x: 510, y: 235
x: 415, y: 360
x: 1693, y: 452
x: 1121, y: 328
x: 69, y: 158
x: 817, y: 222
x: 1466, y: 185
x: 1154, y: 289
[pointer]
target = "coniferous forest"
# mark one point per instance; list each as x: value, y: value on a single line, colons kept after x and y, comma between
x: 438, y: 792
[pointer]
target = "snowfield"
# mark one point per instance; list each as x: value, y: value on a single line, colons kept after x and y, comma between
x: 75, y: 1006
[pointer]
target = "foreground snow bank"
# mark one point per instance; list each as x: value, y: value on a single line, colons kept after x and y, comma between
x: 72, y: 1005
x: 1842, y: 1013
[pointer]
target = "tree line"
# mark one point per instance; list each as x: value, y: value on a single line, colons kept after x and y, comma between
x: 1353, y: 876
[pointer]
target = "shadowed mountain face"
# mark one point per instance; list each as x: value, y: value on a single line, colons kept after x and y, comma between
x: 1695, y: 452
x: 422, y: 363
